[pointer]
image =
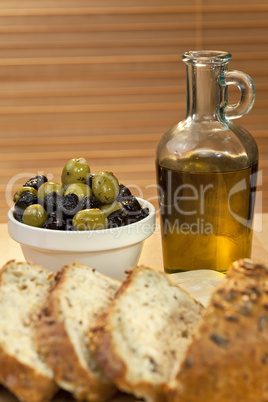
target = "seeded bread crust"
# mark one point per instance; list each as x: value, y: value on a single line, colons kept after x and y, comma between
x: 24, y: 380
x: 228, y: 357
x: 116, y: 356
x: 59, y: 351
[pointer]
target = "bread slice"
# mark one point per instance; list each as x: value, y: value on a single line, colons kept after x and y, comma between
x: 23, y: 290
x: 142, y: 336
x: 80, y: 295
x: 228, y: 357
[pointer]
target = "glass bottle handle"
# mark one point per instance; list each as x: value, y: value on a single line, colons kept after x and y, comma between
x: 247, y: 89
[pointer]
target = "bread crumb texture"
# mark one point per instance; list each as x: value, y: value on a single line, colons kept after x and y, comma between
x: 149, y: 327
x: 81, y: 294
x: 24, y: 287
x: 85, y: 295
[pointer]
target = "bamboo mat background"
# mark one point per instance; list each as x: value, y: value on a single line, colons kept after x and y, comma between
x: 103, y: 79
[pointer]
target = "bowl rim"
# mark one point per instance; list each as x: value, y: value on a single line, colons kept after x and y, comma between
x: 83, y: 241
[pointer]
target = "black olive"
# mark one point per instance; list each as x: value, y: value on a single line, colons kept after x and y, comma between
x: 89, y: 202
x: 36, y: 181
x: 138, y: 215
x: 52, y: 202
x: 70, y: 205
x: 17, y: 216
x: 124, y: 217
x: 69, y: 226
x: 130, y: 204
x: 123, y: 192
x: 55, y: 222
x: 117, y: 218
x: 89, y: 180
x: 24, y: 201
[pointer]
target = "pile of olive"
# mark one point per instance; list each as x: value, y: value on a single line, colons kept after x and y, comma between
x: 83, y: 201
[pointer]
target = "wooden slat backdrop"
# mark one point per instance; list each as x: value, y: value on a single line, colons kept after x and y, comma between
x: 104, y: 79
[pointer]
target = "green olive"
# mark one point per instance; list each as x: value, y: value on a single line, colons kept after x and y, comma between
x: 49, y: 187
x: 110, y: 208
x: 90, y: 219
x: 22, y: 190
x: 75, y: 171
x: 80, y: 189
x: 105, y: 187
x: 34, y: 215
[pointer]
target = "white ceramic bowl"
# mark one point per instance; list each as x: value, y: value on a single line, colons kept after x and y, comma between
x: 110, y: 251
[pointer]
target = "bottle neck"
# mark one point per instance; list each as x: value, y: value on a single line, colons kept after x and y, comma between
x: 205, y: 95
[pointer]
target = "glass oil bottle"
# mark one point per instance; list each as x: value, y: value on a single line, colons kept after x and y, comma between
x: 206, y: 169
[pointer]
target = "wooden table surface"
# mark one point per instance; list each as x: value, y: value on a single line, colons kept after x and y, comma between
x: 199, y: 284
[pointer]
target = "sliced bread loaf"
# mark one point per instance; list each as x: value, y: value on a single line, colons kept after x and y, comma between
x: 228, y: 357
x: 80, y: 295
x: 23, y: 290
x: 140, y: 339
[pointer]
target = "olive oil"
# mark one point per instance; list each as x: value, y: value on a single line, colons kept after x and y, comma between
x: 206, y: 218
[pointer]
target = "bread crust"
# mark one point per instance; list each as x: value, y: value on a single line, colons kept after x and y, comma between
x: 59, y: 353
x: 21, y: 379
x: 228, y: 357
